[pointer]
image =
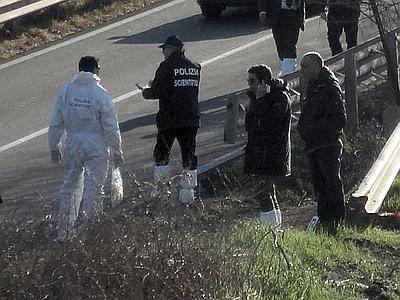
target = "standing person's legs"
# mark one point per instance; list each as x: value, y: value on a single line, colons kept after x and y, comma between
x: 329, y: 161
x: 318, y: 182
x: 187, y: 141
x: 94, y: 178
x: 70, y: 195
x: 162, y: 150
x: 335, y: 30
x: 289, y: 36
x: 328, y: 185
x: 291, y: 31
x: 270, y: 211
x: 279, y: 39
x: 163, y: 146
x: 351, y: 32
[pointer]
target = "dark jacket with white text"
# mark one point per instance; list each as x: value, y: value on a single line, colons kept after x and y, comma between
x: 176, y: 85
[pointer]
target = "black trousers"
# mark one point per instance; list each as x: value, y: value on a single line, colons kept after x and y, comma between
x: 187, y: 142
x: 328, y: 186
x: 335, y: 30
x: 286, y: 34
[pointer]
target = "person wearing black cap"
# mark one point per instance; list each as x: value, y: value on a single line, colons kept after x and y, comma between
x: 176, y: 85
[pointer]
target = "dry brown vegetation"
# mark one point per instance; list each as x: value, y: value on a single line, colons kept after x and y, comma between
x: 55, y: 23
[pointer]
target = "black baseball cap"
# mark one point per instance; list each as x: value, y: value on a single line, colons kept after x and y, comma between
x: 172, y: 41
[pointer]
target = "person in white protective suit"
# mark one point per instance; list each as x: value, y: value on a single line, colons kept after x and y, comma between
x: 85, y: 112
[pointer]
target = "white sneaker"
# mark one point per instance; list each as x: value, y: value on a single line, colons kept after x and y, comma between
x: 288, y: 66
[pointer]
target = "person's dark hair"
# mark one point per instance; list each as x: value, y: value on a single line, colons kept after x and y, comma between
x: 88, y: 64
x: 262, y: 72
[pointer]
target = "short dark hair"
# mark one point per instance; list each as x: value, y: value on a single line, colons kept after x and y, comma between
x: 262, y: 72
x: 88, y: 64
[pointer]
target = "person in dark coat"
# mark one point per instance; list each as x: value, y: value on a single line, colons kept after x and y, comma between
x: 341, y: 15
x: 286, y: 18
x: 176, y: 85
x: 267, y: 152
x: 321, y: 122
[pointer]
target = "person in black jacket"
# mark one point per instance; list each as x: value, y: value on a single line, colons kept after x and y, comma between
x: 267, y: 152
x: 286, y: 18
x: 176, y: 85
x: 321, y: 122
x: 342, y: 15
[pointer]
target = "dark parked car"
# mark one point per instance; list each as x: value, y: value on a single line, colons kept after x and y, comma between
x: 213, y: 9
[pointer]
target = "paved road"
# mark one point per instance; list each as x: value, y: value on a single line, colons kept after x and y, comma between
x: 128, y: 54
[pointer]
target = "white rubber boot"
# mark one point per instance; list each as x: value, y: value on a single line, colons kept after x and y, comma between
x: 288, y: 66
x: 188, y: 184
x: 272, y: 218
x: 161, y: 175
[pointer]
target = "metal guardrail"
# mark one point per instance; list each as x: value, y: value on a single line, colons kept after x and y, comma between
x: 12, y: 9
x: 378, y: 180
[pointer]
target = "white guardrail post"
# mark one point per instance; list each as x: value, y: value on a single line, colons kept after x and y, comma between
x: 377, y: 182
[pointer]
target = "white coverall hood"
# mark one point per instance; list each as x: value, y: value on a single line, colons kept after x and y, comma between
x: 85, y: 112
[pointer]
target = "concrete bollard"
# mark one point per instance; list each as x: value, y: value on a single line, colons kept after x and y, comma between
x: 231, y: 119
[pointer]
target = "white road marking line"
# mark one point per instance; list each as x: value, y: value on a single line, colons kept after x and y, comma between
x: 24, y: 139
x: 236, y: 50
x: 89, y: 34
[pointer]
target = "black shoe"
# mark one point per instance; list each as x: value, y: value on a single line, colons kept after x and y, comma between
x: 329, y: 227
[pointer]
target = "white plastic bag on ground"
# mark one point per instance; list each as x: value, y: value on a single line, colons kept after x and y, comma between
x: 117, y: 187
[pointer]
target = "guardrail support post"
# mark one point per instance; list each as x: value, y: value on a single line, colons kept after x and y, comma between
x: 392, y: 43
x: 231, y: 119
x: 350, y: 85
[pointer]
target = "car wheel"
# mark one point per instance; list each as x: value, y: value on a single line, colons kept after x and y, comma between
x: 211, y: 11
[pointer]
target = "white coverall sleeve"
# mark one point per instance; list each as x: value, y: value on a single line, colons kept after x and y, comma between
x: 110, y: 126
x: 56, y: 126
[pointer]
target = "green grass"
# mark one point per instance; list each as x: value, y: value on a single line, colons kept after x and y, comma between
x: 392, y: 200
x: 302, y: 265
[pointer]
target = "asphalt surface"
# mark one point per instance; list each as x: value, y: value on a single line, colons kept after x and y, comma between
x: 128, y: 54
